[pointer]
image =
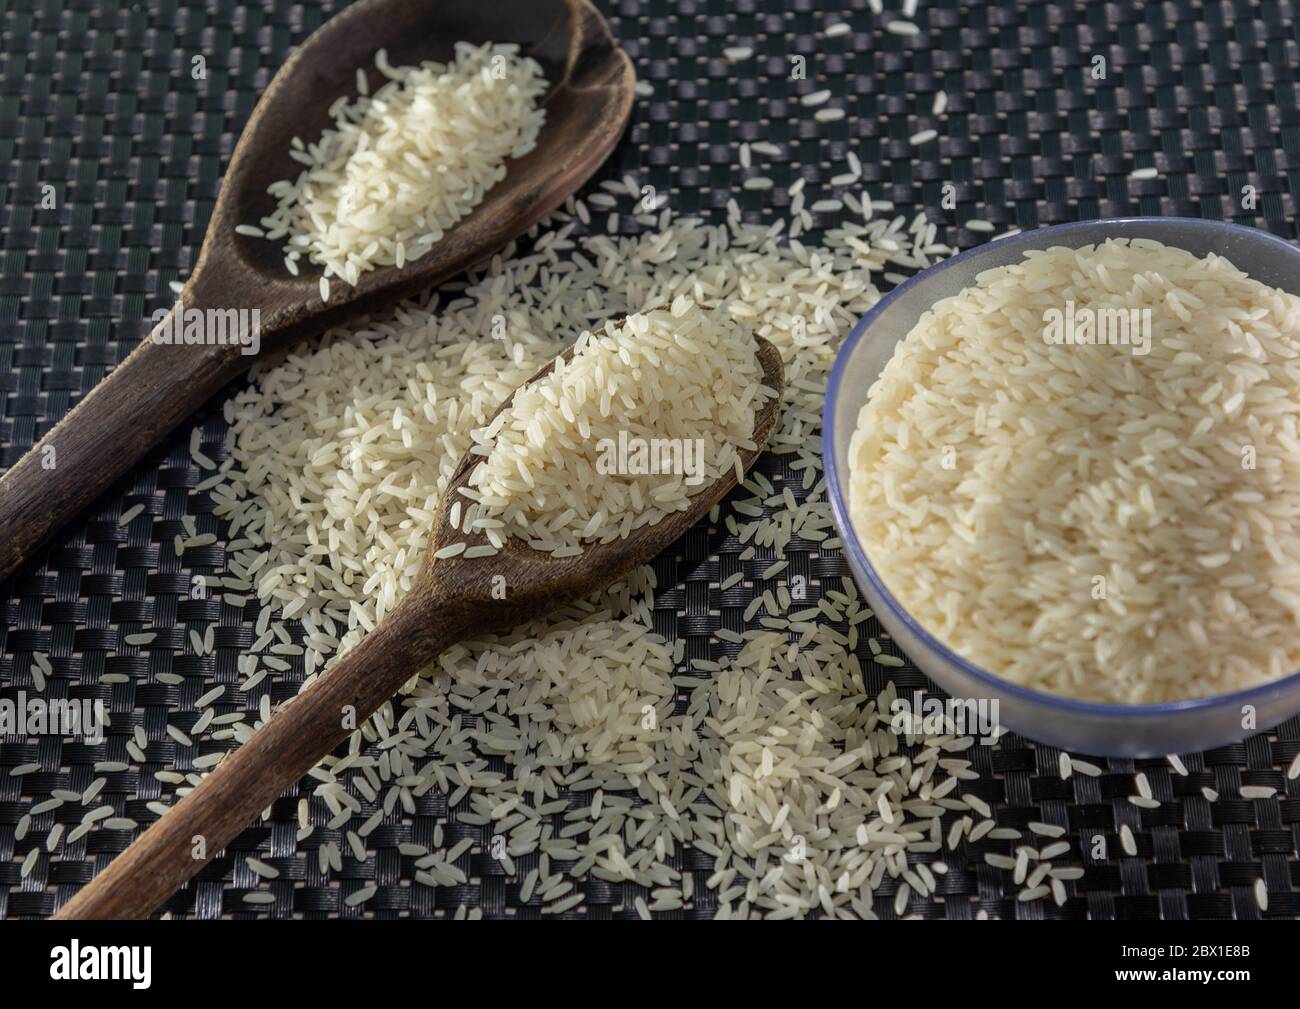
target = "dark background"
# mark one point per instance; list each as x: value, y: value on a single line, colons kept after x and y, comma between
x: 97, y: 100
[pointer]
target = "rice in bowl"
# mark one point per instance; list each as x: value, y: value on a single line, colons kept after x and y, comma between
x: 1112, y: 520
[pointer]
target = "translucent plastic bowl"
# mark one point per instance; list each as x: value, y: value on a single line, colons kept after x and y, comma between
x: 1087, y: 727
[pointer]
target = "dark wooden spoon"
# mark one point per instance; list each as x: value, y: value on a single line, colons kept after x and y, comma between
x: 159, y: 385
x: 452, y: 600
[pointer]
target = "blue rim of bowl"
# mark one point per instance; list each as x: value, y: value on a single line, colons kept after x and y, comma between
x: 839, y: 497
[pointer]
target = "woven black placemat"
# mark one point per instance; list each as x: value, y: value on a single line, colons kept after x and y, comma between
x: 115, y: 146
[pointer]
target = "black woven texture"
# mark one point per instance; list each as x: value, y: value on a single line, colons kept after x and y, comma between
x: 99, y: 102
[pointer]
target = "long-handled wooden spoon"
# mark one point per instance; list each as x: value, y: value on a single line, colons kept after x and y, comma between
x: 159, y: 385
x: 452, y: 600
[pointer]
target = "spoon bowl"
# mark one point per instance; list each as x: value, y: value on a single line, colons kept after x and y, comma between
x: 539, y: 582
x: 453, y: 599
x: 588, y: 103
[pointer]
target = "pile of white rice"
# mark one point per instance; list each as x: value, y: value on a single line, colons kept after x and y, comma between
x: 647, y: 412
x: 590, y: 746
x: 402, y: 166
x: 773, y: 759
x: 1088, y: 519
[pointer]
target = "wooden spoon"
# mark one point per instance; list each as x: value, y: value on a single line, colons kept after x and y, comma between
x: 452, y: 600
x: 159, y: 385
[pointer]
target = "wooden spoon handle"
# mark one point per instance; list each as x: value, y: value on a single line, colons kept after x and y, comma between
x: 308, y: 727
x: 124, y: 416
